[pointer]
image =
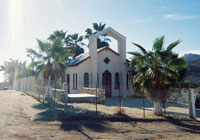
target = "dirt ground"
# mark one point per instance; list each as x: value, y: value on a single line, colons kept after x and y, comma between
x: 24, y: 118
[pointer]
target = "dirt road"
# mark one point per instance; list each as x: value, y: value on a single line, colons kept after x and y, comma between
x: 17, y: 120
x: 24, y: 118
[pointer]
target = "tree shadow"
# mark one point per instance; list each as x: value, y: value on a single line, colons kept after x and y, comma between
x: 76, y: 119
x: 74, y: 114
x: 84, y: 120
x: 58, y: 105
x: 40, y: 106
x: 190, y: 126
x: 49, y: 114
x: 80, y: 126
x: 22, y: 94
x: 81, y: 114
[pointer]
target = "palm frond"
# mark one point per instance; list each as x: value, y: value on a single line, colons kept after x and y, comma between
x: 43, y: 46
x: 88, y: 33
x: 33, y: 53
x: 95, y: 26
x: 173, y: 45
x: 158, y: 43
x: 141, y: 48
x: 137, y: 54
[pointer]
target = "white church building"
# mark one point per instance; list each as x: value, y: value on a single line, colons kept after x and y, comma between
x: 103, y: 68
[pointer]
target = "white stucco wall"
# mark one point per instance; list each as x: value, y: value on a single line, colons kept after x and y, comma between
x: 113, y: 66
x: 80, y: 70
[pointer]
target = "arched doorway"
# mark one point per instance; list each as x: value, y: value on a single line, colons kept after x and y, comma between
x: 107, y: 83
x: 86, y: 79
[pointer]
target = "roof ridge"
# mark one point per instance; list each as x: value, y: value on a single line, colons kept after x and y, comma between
x: 80, y: 58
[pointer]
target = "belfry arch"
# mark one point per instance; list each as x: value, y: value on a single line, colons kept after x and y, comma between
x: 121, y: 45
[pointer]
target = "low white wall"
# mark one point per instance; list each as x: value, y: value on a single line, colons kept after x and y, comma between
x: 93, y: 91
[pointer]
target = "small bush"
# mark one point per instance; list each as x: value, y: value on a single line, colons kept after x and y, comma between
x: 119, y: 111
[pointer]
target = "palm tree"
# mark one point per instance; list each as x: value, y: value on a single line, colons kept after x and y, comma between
x: 102, y: 40
x: 50, y: 58
x: 157, y: 71
x: 74, y: 43
x: 5, y: 68
x: 9, y: 68
x: 22, y: 70
x: 57, y: 34
x: 14, y: 69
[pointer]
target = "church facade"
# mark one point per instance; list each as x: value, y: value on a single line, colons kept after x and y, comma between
x: 102, y: 68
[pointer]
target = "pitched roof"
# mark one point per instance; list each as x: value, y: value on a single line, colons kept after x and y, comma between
x: 84, y: 56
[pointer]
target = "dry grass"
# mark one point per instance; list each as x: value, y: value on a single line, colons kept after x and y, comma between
x: 119, y: 111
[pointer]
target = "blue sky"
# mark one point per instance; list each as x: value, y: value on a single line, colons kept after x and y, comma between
x: 141, y: 21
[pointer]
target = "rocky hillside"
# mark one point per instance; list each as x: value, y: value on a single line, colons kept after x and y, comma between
x: 193, y: 73
x: 191, y: 57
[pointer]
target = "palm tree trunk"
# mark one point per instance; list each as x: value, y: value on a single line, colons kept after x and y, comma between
x: 49, y: 91
x: 158, y: 109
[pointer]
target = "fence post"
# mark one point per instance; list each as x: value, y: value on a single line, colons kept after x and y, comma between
x: 24, y: 84
x: 31, y: 84
x: 65, y: 96
x: 34, y: 83
x: 21, y: 83
x: 28, y: 84
x: 192, y: 109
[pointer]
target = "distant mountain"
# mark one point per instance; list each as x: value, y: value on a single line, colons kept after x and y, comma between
x: 191, y: 57
x: 193, y: 73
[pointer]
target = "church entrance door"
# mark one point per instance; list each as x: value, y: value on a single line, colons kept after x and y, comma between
x: 107, y: 83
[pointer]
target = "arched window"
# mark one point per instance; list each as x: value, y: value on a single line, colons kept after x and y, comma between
x: 76, y: 81
x: 73, y: 81
x: 86, y: 79
x: 117, y: 85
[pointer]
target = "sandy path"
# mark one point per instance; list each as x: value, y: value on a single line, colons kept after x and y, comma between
x: 17, y: 120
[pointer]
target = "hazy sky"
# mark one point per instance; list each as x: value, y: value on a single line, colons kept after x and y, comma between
x: 141, y: 21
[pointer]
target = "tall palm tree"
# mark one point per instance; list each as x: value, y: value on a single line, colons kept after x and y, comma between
x: 9, y: 68
x: 22, y: 70
x: 5, y: 67
x: 157, y: 71
x: 74, y: 43
x: 14, y: 69
x: 57, y: 34
x: 50, y: 58
x: 102, y: 40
